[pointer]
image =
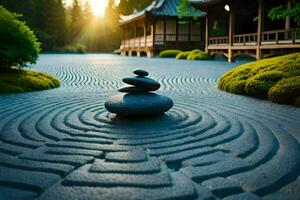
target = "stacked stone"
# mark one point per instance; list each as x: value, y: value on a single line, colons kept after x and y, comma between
x: 138, y: 99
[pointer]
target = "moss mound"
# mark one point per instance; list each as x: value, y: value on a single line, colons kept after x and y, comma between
x: 169, y: 53
x: 16, y: 80
x: 277, y: 79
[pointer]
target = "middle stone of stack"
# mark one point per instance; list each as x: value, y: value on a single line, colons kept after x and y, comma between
x: 140, y: 83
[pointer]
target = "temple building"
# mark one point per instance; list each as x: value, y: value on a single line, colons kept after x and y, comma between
x: 159, y: 27
x: 235, y: 27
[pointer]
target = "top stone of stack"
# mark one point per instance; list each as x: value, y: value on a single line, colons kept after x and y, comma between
x: 141, y: 73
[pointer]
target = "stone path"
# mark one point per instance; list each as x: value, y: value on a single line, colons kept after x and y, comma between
x: 63, y: 144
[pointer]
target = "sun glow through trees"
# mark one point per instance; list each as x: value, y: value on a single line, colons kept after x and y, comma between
x: 98, y: 6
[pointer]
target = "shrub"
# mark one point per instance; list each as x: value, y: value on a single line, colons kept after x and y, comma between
x: 198, y: 55
x: 286, y: 91
x: 275, y: 78
x: 260, y: 84
x: 182, y: 55
x: 19, y: 45
x: 169, y: 53
x: 73, y: 48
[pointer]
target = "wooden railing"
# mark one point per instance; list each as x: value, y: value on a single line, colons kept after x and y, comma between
x: 159, y: 39
x: 137, y: 42
x: 218, y: 40
x: 245, y: 39
x: 291, y: 36
x: 280, y: 36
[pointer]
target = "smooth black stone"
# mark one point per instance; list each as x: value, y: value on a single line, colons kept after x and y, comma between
x: 133, y: 89
x: 141, y: 72
x: 143, y: 82
x: 135, y: 105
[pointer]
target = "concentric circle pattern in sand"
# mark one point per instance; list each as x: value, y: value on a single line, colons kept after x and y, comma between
x: 63, y: 144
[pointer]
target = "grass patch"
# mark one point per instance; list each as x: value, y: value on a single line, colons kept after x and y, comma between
x: 277, y: 79
x: 169, y: 53
x: 18, y: 80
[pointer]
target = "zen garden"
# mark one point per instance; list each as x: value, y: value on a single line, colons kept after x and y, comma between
x: 149, y: 99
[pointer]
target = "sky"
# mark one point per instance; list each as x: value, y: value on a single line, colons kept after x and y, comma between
x: 98, y: 6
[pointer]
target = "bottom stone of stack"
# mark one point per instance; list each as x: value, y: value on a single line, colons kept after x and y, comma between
x: 138, y: 105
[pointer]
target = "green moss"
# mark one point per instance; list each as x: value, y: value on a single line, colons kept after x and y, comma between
x: 15, y: 81
x: 275, y: 78
x: 169, y: 53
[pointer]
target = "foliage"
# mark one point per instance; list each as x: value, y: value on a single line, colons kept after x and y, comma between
x: 169, y: 53
x: 182, y: 55
x: 282, y: 11
x: 277, y: 79
x: 19, y: 45
x: 199, y: 56
x: 286, y: 90
x: 47, y: 18
x: 57, y: 25
x: 127, y: 7
x: 195, y: 54
x: 16, y: 80
x: 260, y: 84
x: 73, y: 48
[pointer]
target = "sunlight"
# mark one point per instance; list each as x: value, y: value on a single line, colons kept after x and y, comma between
x: 98, y: 6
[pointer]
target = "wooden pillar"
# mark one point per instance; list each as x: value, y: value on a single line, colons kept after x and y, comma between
x: 288, y: 20
x: 206, y: 32
x: 231, y: 32
x: 165, y: 32
x: 145, y: 34
x: 260, y: 23
x: 153, y: 33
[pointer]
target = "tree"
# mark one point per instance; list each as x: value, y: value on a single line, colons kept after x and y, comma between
x: 87, y: 12
x: 184, y: 8
x: 19, y: 45
x: 77, y: 20
x: 282, y: 11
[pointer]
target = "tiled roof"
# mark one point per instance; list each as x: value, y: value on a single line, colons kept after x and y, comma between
x: 204, y: 2
x: 160, y: 8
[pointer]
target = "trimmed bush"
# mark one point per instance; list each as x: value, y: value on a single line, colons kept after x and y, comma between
x: 286, y: 91
x: 277, y: 79
x: 19, y: 45
x: 17, y: 80
x: 182, y: 55
x: 198, y: 55
x: 73, y: 48
x: 169, y: 53
x: 260, y: 84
